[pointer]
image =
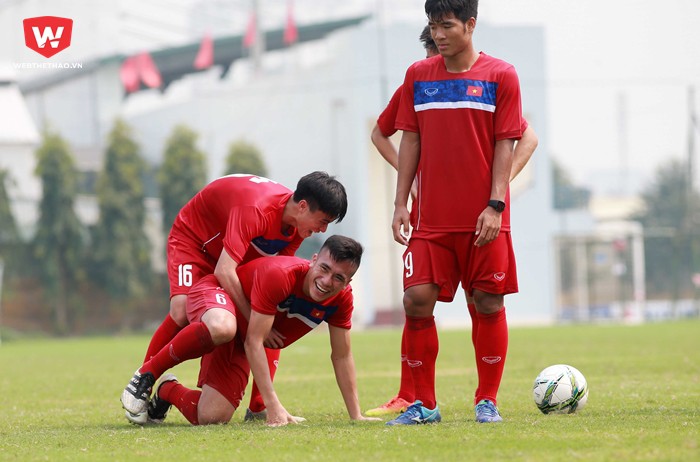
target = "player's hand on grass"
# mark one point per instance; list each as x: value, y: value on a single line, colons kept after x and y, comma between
x: 368, y: 419
x: 278, y: 416
x: 400, y: 225
x: 488, y: 225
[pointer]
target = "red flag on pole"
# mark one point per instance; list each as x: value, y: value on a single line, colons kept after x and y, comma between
x: 291, y: 34
x: 129, y: 74
x: 150, y: 76
x: 205, y: 55
x: 250, y: 32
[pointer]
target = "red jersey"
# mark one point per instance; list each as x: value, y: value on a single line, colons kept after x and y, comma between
x: 459, y: 117
x: 280, y: 292
x: 241, y: 213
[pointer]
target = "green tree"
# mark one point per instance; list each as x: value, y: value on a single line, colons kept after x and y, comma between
x: 182, y: 174
x: 671, y: 220
x: 566, y: 194
x: 58, y: 244
x: 244, y: 157
x: 121, y: 249
x: 9, y: 236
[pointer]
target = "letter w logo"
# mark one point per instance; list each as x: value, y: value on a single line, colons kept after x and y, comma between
x: 52, y: 29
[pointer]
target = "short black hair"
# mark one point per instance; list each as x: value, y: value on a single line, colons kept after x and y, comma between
x: 323, y: 192
x: 461, y: 9
x: 343, y: 248
x: 427, y: 39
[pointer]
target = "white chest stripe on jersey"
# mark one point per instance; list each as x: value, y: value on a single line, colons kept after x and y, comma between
x: 455, y: 105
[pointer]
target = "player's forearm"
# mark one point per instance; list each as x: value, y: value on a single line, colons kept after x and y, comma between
x: 502, y: 163
x: 255, y: 352
x: 524, y: 149
x: 409, y: 155
x: 385, y: 147
x: 345, y: 376
x: 225, y: 273
x: 235, y: 290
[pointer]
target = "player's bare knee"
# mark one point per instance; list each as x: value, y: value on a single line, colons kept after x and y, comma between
x: 221, y: 325
x: 213, y: 416
x: 420, y: 300
x: 178, y: 309
x: 487, y: 303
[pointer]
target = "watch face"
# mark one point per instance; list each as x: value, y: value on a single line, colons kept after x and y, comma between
x: 498, y: 205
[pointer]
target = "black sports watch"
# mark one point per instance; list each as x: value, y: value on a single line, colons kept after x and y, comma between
x: 499, y: 206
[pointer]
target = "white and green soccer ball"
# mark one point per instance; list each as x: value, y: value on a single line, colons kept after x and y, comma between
x: 560, y: 389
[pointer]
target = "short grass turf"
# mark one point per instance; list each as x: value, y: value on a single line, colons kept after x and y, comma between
x: 60, y: 401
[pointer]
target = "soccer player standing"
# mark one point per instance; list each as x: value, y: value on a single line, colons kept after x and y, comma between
x: 383, y: 129
x: 460, y: 113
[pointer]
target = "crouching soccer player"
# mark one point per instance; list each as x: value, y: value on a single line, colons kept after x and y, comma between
x: 289, y: 297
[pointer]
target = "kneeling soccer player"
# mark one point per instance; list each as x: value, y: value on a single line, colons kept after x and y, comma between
x: 289, y: 297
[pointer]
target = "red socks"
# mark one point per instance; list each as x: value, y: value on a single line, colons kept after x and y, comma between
x: 406, y: 389
x: 257, y: 403
x: 191, y: 342
x: 183, y: 398
x: 421, y: 351
x: 475, y: 333
x: 491, y: 346
x: 165, y: 333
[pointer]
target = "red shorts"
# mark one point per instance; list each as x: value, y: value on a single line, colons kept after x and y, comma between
x: 187, y: 263
x: 205, y: 295
x: 226, y: 370
x: 446, y: 259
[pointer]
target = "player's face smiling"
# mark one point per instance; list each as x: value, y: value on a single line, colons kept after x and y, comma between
x: 451, y: 35
x: 327, y: 277
x: 309, y: 222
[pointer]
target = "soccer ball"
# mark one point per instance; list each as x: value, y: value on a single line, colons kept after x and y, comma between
x: 560, y: 389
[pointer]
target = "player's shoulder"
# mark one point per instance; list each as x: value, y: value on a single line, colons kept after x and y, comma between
x: 282, y: 262
x: 246, y: 182
x: 427, y: 64
x: 345, y: 297
x: 493, y: 63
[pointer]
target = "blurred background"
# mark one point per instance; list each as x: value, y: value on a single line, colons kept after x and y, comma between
x: 103, y: 142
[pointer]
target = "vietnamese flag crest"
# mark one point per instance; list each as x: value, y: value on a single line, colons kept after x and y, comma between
x: 318, y: 314
x: 473, y: 90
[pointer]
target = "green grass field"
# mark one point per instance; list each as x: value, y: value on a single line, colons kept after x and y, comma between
x: 60, y: 401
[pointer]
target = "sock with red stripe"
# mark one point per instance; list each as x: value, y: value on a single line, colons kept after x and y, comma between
x: 165, y: 333
x: 191, y: 342
x: 184, y: 399
x: 257, y: 404
x: 421, y: 351
x: 491, y: 348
